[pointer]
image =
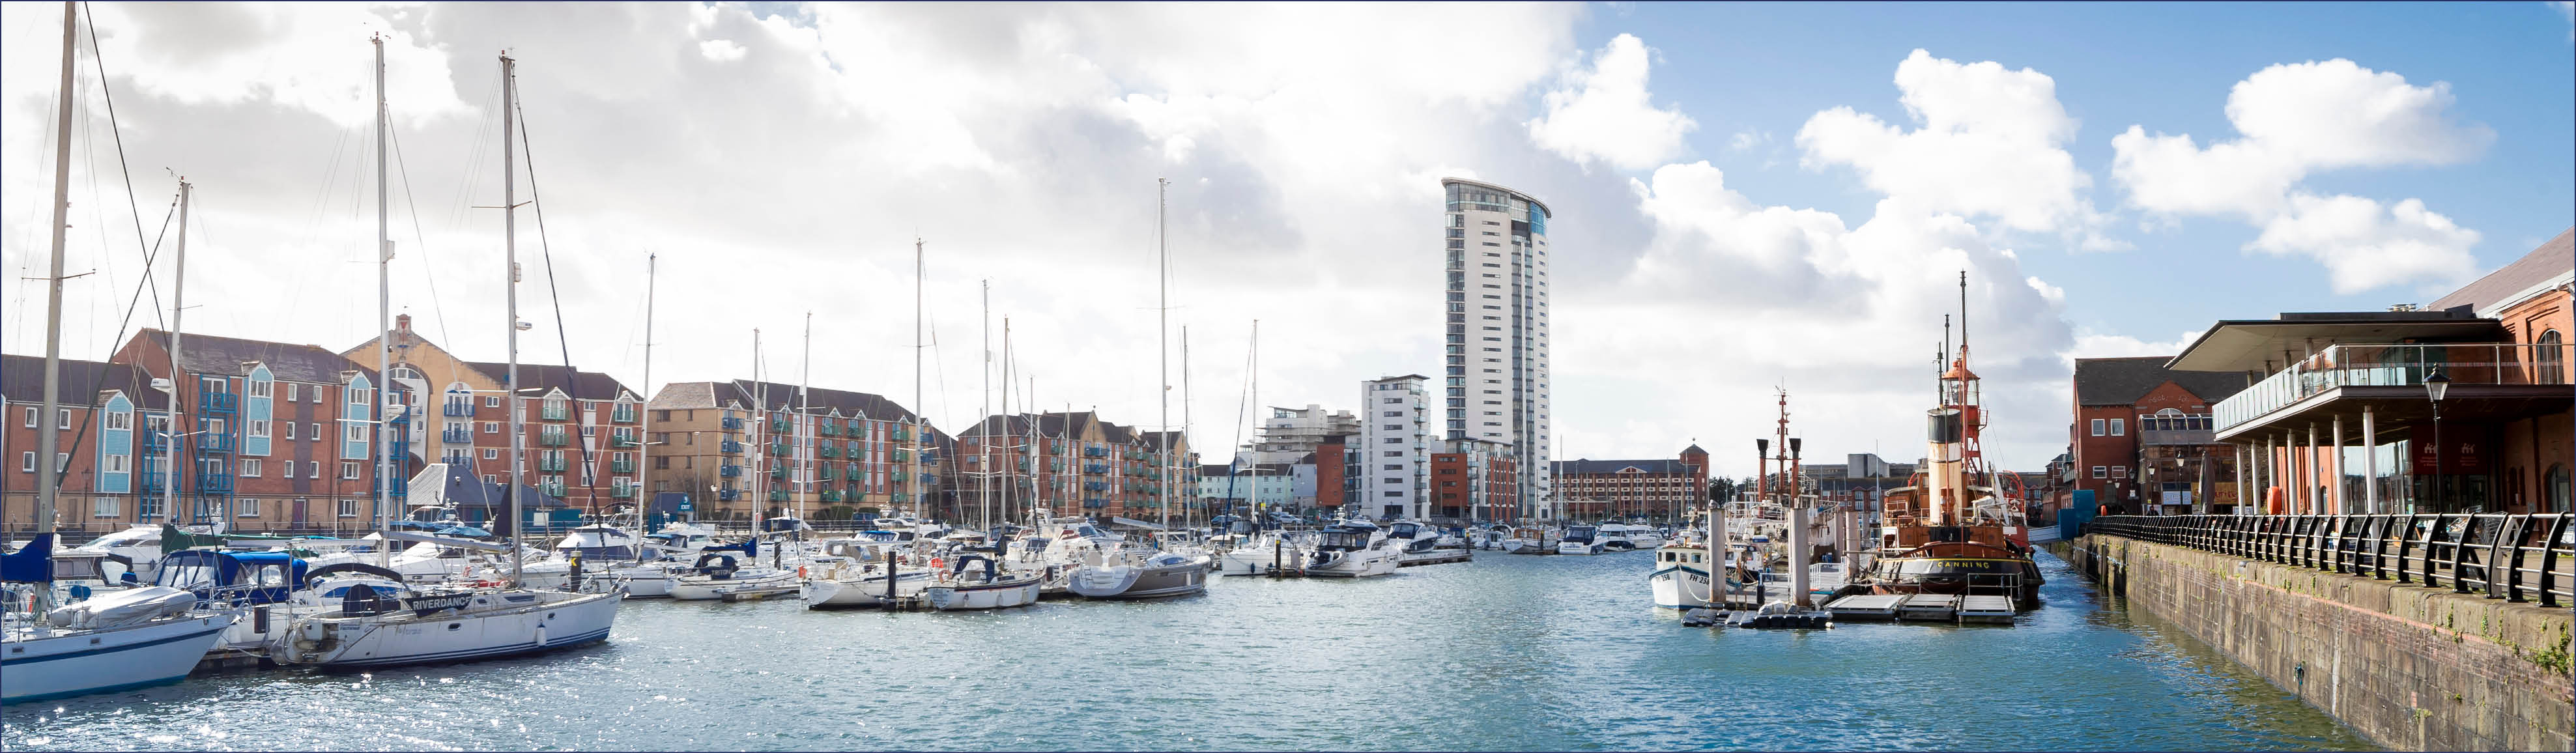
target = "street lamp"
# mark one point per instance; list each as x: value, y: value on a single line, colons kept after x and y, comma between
x: 2436, y: 386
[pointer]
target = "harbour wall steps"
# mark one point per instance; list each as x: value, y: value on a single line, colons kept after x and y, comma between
x: 2410, y: 667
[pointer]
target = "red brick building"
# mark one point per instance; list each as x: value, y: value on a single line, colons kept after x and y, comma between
x: 1623, y: 489
x: 2142, y: 437
x: 1475, y: 480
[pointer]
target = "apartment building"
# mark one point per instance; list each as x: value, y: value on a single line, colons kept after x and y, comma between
x: 1392, y: 460
x: 1497, y: 306
x: 1073, y: 463
x: 1629, y: 489
x: 1475, y: 480
x: 581, y: 430
x: 272, y: 435
x: 742, y: 449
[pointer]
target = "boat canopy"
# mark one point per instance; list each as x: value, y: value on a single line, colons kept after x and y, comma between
x: 213, y: 575
x: 33, y: 563
x: 173, y: 539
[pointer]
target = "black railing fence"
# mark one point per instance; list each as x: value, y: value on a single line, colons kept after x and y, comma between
x: 2512, y: 557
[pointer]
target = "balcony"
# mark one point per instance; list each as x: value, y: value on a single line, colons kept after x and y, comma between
x: 456, y: 409
x: 1095, y: 468
x: 624, y: 415
x: 456, y: 436
x: 902, y: 434
x: 214, y: 484
x: 2487, y: 380
x: 1095, y: 452
x: 624, y: 443
x: 552, y: 489
x: 900, y: 477
x: 728, y: 495
x: 209, y: 402
x: 777, y: 495
x: 2161, y: 437
x: 730, y: 447
x: 778, y: 448
x: 903, y: 456
x: 729, y: 471
x: 731, y: 424
x: 830, y: 474
x: 778, y: 426
x: 555, y: 465
x: 828, y: 428
x: 854, y: 470
x: 621, y: 466
x: 553, y: 412
x: 621, y: 492
x: 554, y: 439
x: 830, y: 451
x: 831, y: 495
x: 778, y: 473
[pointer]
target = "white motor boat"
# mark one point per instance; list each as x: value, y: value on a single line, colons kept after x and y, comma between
x: 1529, y: 540
x: 1265, y: 553
x: 446, y: 625
x: 994, y: 587
x: 121, y: 639
x: 1579, y: 540
x: 1681, y: 580
x: 1354, y: 549
x: 1622, y: 537
x: 1418, y: 543
x: 1130, y: 573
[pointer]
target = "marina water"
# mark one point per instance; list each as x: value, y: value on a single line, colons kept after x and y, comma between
x: 1507, y: 652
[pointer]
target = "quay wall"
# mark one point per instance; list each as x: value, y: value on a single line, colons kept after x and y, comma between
x: 2410, y: 667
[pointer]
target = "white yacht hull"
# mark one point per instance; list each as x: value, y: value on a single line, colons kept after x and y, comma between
x: 1684, y: 587
x: 498, y: 624
x: 1434, y: 557
x: 1364, y: 563
x: 1523, y: 546
x: 833, y: 593
x: 1577, y: 547
x: 702, y: 588
x: 80, y: 662
x: 1008, y: 592
x: 1138, y: 581
x: 1261, y: 562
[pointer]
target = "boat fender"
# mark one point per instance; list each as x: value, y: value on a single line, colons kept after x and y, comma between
x: 800, y: 571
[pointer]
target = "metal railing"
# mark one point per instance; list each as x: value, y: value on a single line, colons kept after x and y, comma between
x: 2504, y: 556
x: 2394, y: 366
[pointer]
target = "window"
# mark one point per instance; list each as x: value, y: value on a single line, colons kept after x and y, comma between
x: 1389, y: 453
x: 355, y: 433
x: 491, y: 454
x: 63, y: 418
x: 491, y: 427
x: 250, y: 468
x: 491, y: 401
x: 312, y: 468
x: 1394, y: 414
x: 317, y: 394
x: 2119, y: 471
x: 313, y: 431
x: 120, y: 421
x: 31, y: 417
x: 259, y: 429
x: 2552, y: 358
x: 1394, y: 493
x: 2101, y: 471
x: 116, y: 463
x: 1395, y: 401
x: 106, y: 507
x: 286, y: 469
x: 290, y: 429
x: 27, y: 462
x: 1393, y: 427
x: 246, y: 507
x: 261, y: 388
x: 2119, y: 427
x: 2097, y: 427
x: 348, y: 508
x: 349, y: 470
x: 62, y: 463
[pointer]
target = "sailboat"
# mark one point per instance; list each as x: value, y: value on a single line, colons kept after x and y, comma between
x: 1131, y: 572
x: 459, y: 623
x: 134, y: 638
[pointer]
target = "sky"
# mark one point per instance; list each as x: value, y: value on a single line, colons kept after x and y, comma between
x: 1747, y: 197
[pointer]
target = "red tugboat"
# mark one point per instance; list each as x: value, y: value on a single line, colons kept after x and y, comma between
x: 1957, y: 528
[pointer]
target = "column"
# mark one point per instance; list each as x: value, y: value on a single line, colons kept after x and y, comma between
x: 2334, y: 488
x: 2369, y: 461
x: 2244, y: 468
x: 2271, y: 470
x: 2316, y: 471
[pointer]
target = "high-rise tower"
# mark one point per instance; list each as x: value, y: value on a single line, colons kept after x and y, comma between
x: 1497, y: 376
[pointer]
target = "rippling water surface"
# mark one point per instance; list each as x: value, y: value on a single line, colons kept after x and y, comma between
x: 1506, y: 652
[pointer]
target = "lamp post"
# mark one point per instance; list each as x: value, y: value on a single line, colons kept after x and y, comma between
x: 2436, y: 386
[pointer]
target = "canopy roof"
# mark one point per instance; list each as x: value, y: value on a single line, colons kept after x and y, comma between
x: 2265, y: 344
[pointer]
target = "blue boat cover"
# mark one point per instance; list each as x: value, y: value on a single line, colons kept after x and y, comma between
x: 33, y: 564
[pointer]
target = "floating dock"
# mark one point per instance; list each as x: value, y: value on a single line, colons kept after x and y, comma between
x: 1929, y: 607
x: 1986, y: 609
x: 1865, y: 607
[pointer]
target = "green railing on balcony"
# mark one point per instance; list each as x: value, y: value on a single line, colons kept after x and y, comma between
x: 777, y: 495
x: 554, y: 439
x: 555, y: 489
x: 900, y: 477
x: 551, y: 464
x: 901, y: 433
x: 829, y: 428
x: 830, y: 473
x: 622, y: 492
x: 624, y: 442
x: 854, y: 470
x: 2338, y: 366
x: 555, y: 413
x: 829, y: 450
x: 778, y: 425
x: 778, y: 472
x: 831, y: 495
x: 621, y: 466
x: 903, y: 456
x: 778, y: 448
x: 624, y: 415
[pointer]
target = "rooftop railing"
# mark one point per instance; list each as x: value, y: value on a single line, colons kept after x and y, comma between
x: 2504, y: 556
x: 2394, y: 366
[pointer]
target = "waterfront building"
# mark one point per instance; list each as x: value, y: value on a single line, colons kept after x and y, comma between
x: 103, y: 408
x: 1332, y: 477
x: 1860, y: 480
x: 1290, y: 434
x: 1073, y: 463
x: 2336, y: 415
x: 1625, y: 489
x: 2142, y: 438
x: 271, y: 435
x: 1497, y: 374
x: 1474, y: 479
x: 742, y: 449
x: 1393, y: 459
x: 1269, y: 486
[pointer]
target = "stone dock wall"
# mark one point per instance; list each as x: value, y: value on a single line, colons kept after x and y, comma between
x: 2410, y: 667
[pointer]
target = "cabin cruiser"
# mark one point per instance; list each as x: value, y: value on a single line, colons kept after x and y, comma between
x: 1621, y: 537
x: 120, y: 639
x: 1528, y: 540
x: 1266, y: 553
x: 1354, y: 549
x: 1680, y: 579
x: 1129, y: 572
x: 1579, y: 540
x: 994, y: 587
x: 1418, y: 543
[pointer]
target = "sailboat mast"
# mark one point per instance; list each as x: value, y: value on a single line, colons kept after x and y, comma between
x: 759, y: 425
x: 804, y: 415
x: 170, y: 433
x: 384, y: 306
x: 510, y: 253
x: 49, y: 480
x: 1163, y: 331
x: 984, y: 491
x: 912, y: 474
x: 644, y: 449
x: 1010, y: 458
x: 1185, y: 410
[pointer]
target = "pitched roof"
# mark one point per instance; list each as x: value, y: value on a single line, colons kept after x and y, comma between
x: 577, y: 384
x: 821, y: 399
x: 2552, y: 260
x: 22, y: 380
x: 212, y: 354
x: 685, y: 395
x: 1581, y: 467
x: 2122, y: 381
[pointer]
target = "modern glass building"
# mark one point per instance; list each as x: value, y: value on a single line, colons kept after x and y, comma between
x: 1496, y: 380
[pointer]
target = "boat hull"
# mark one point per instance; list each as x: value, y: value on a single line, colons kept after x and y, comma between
x: 551, y: 621
x: 68, y: 664
x: 1367, y: 563
x: 709, y: 589
x: 1000, y: 595
x: 1138, y: 582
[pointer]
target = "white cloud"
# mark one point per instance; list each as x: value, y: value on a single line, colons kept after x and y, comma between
x: 2091, y: 344
x: 1606, y: 115
x: 2297, y: 119
x: 1989, y: 142
x: 2364, y: 245
x: 722, y: 50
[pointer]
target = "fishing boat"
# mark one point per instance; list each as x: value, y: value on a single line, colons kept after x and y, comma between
x: 1956, y: 528
x: 1683, y: 574
x: 1354, y: 549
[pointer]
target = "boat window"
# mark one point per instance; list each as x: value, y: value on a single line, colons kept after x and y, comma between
x: 270, y: 576
x: 190, y: 577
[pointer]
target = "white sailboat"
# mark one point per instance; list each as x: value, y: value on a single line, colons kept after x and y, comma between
x: 146, y: 636
x: 444, y: 624
x: 1130, y: 572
